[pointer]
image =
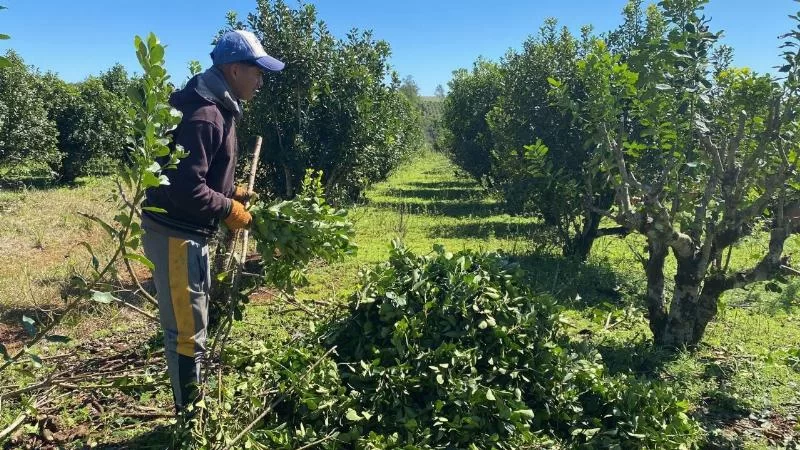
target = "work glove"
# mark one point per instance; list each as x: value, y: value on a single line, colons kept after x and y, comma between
x: 243, y: 196
x: 239, y: 217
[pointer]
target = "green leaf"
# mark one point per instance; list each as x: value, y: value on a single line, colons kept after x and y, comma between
x: 352, y: 415
x: 58, y: 338
x: 109, y: 229
x: 135, y: 95
x: 157, y: 55
x: 102, y: 297
x: 37, y: 361
x: 490, y: 395
x: 141, y: 259
x: 553, y: 82
x: 29, y: 325
x: 95, y: 261
x: 4, y: 37
x: 154, y: 209
x: 527, y: 413
x: 149, y: 180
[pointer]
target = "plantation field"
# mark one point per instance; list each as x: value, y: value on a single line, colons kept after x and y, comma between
x: 741, y: 384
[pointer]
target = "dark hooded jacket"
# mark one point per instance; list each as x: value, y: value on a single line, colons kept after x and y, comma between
x: 199, y: 192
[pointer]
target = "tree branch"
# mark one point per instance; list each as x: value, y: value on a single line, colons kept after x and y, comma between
x: 733, y: 145
x: 713, y: 152
x: 615, y: 231
x: 277, y: 400
x: 702, y: 208
x: 766, y: 269
x: 136, y: 281
x: 624, y: 189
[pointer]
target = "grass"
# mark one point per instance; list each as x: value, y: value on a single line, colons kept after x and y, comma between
x: 40, y: 246
x: 740, y: 383
x: 426, y: 202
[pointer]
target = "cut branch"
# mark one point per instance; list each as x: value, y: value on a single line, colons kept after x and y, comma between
x: 278, y: 400
x: 250, y: 183
x: 13, y: 426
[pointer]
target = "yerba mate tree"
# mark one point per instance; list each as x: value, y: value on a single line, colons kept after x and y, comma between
x: 698, y: 159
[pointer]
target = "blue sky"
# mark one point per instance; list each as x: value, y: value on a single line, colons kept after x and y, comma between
x: 429, y: 39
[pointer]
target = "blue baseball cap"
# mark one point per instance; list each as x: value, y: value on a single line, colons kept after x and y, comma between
x: 243, y: 46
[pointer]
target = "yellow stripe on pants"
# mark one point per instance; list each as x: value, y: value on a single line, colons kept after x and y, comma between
x: 179, y: 291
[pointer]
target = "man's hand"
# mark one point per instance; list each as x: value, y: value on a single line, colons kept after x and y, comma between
x: 243, y: 196
x: 239, y: 217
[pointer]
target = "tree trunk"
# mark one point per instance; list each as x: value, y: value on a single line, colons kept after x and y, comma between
x: 694, y: 302
x: 656, y: 306
x: 287, y: 179
x: 581, y: 246
x: 333, y: 178
x: 692, y: 307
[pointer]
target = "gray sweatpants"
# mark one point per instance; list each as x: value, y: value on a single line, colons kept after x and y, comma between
x: 183, y: 282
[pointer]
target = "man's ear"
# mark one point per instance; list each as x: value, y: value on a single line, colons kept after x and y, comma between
x: 234, y: 70
x: 231, y: 71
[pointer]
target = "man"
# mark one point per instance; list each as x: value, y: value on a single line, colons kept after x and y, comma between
x: 201, y: 193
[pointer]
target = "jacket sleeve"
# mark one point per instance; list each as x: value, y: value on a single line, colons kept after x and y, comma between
x: 188, y: 190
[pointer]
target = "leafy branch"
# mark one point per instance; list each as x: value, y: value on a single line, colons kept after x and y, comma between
x: 150, y: 118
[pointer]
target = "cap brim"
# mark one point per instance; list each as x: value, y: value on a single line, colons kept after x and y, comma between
x: 269, y: 63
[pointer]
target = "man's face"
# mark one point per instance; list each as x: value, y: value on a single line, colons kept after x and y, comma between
x: 247, y: 80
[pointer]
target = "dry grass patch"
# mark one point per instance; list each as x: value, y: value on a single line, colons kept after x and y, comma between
x: 39, y: 246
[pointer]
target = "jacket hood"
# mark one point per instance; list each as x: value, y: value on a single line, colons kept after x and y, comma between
x: 188, y: 98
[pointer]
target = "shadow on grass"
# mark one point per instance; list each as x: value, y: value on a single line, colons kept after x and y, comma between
x: 529, y: 231
x: 444, y: 184
x: 578, y: 284
x: 444, y: 198
x: 13, y: 317
x: 436, y: 208
x: 159, y: 438
x: 720, y: 411
x: 18, y: 184
x: 786, y: 301
x: 451, y: 194
x: 641, y: 358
